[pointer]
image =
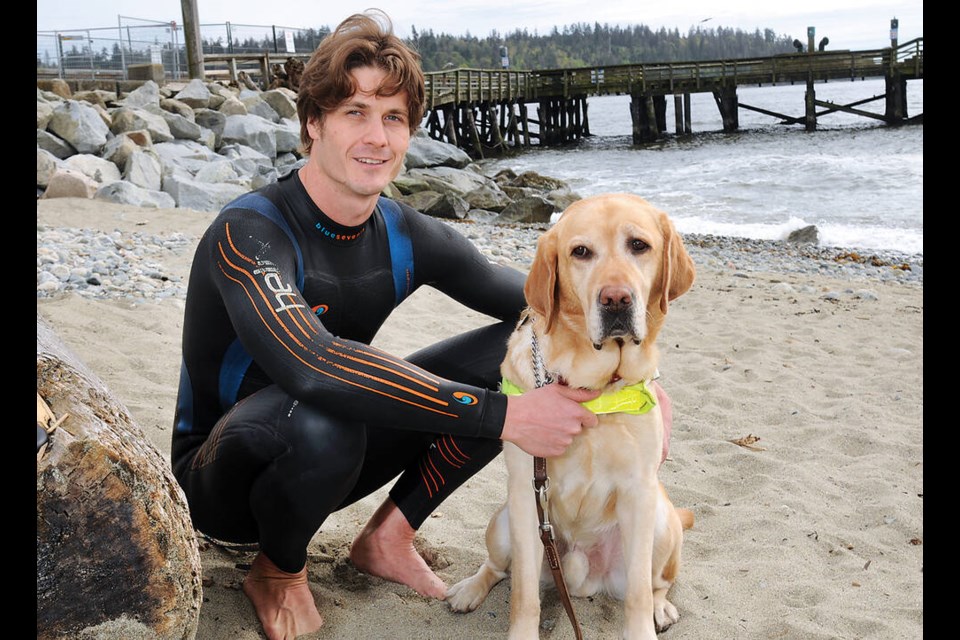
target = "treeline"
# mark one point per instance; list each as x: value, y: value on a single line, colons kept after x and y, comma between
x: 581, y: 45
x: 577, y: 45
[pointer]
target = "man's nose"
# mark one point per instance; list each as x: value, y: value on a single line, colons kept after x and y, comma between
x: 376, y: 133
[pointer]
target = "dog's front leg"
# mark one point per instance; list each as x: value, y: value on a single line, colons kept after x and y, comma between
x: 636, y: 512
x: 527, y: 560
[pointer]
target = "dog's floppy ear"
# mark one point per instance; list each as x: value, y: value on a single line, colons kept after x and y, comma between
x: 677, y: 271
x: 541, y: 289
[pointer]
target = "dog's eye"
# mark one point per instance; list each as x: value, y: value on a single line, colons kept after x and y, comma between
x: 581, y: 251
x: 638, y: 246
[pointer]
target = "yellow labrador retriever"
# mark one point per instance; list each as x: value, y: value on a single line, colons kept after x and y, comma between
x: 598, y: 292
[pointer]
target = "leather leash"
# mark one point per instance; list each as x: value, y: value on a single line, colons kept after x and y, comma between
x: 541, y: 484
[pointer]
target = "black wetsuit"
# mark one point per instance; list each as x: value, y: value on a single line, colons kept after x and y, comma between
x: 284, y: 412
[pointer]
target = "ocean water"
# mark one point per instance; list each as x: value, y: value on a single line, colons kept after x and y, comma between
x: 859, y: 181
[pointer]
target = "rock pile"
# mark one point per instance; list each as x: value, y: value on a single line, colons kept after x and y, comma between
x: 199, y: 145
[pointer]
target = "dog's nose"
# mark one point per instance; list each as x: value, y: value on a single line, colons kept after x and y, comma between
x: 616, y: 298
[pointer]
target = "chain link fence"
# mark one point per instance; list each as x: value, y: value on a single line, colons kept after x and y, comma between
x: 108, y: 52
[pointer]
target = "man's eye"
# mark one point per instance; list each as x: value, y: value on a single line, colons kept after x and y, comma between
x: 581, y: 251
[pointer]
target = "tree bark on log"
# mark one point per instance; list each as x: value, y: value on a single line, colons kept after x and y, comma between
x: 116, y: 550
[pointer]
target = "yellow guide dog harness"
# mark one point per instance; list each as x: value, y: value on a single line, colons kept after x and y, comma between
x: 635, y: 399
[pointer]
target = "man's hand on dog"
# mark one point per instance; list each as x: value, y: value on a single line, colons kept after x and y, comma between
x: 544, y: 421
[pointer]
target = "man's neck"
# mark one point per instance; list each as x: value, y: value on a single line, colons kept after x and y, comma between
x: 347, y: 209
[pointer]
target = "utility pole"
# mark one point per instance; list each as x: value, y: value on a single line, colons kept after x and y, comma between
x: 191, y: 38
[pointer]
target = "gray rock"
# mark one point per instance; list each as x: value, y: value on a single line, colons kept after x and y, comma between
x: 208, y: 139
x: 180, y: 108
x: 232, y: 107
x: 92, y: 97
x: 94, y: 167
x: 67, y: 183
x: 181, y: 128
x: 246, y: 160
x: 213, y: 120
x: 287, y: 133
x: 119, y: 148
x: 283, y: 101
x: 804, y: 235
x: 264, y: 178
x: 202, y: 196
x: 79, y: 124
x: 438, y: 205
x: 251, y: 131
x: 407, y: 184
x: 44, y: 113
x: 450, y: 179
x: 195, y: 94
x: 220, y: 92
x: 179, y: 151
x: 47, y: 164
x: 257, y: 106
x: 489, y: 197
x: 562, y: 198
x: 146, y: 94
x: 534, y: 180
x: 56, y: 146
x: 123, y: 192
x: 424, y: 151
x: 287, y: 162
x: 222, y: 171
x: 144, y: 169
x: 527, y: 209
x: 126, y: 119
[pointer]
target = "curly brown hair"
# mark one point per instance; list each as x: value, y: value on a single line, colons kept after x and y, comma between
x: 362, y: 40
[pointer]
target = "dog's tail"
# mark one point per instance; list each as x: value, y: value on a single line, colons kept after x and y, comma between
x: 686, y: 518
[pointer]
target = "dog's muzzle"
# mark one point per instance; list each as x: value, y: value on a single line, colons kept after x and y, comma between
x: 618, y: 311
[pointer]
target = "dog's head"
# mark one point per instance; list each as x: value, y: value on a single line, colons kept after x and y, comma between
x: 608, y: 269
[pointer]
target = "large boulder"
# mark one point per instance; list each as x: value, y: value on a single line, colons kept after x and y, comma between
x: 424, y: 151
x: 93, y: 167
x: 195, y: 93
x: 123, y: 192
x: 67, y: 183
x: 79, y: 124
x: 528, y: 210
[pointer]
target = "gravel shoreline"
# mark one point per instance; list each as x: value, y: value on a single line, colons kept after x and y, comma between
x: 99, y: 265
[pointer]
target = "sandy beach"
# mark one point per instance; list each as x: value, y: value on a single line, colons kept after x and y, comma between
x: 814, y: 533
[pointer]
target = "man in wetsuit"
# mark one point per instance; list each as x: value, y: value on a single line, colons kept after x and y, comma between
x: 285, y: 414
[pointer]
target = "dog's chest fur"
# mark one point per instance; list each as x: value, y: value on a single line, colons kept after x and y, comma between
x: 582, y: 503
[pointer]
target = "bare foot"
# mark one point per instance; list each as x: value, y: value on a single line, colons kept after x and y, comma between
x: 282, y: 600
x: 385, y: 549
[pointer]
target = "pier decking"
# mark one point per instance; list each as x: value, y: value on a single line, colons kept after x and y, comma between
x: 485, y: 110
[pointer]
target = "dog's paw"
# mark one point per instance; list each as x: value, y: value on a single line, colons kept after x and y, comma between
x: 468, y: 594
x: 664, y: 613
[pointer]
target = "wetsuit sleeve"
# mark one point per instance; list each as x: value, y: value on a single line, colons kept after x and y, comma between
x: 449, y: 262
x: 253, y: 266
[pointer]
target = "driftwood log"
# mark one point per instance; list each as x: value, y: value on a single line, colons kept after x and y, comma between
x: 116, y: 551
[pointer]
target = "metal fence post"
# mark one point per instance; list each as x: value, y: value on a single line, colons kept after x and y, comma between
x: 59, y: 55
x: 123, y: 57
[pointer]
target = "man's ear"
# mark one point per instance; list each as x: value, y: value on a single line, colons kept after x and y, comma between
x: 314, y: 128
x: 541, y: 288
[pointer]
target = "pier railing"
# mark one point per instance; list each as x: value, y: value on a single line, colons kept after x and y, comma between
x: 483, y: 85
x: 476, y: 86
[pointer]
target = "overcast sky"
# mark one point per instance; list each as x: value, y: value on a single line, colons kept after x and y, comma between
x: 849, y: 24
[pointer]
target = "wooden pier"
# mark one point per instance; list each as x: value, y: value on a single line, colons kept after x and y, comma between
x: 486, y: 111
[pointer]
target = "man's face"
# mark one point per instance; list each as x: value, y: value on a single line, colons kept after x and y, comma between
x: 360, y: 147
